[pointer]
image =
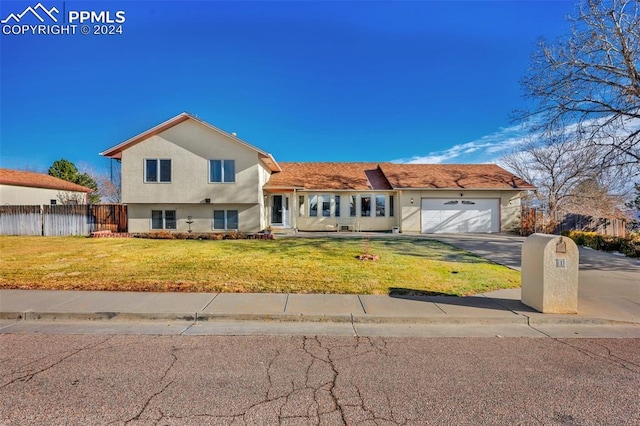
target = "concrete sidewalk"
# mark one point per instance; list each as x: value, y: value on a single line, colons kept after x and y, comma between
x: 501, y: 307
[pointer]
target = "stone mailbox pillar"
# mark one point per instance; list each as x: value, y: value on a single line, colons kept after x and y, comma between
x: 550, y: 274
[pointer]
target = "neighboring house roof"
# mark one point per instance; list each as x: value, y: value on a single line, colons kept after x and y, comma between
x: 386, y: 176
x: 116, y: 151
x: 452, y: 176
x: 329, y: 176
x: 38, y: 180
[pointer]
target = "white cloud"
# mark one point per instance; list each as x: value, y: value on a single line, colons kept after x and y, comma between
x: 484, y: 149
x: 491, y: 147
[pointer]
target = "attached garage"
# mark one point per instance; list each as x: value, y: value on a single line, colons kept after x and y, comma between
x: 442, y: 215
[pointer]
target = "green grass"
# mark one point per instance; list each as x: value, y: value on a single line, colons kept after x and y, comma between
x: 296, y: 265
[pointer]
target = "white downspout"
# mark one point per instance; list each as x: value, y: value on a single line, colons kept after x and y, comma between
x: 295, y: 210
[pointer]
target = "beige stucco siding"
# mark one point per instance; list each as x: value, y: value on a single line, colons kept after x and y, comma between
x: 201, y: 215
x: 25, y: 195
x: 411, y: 212
x: 190, y: 145
x: 510, y: 211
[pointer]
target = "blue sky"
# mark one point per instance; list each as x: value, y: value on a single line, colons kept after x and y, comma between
x: 307, y: 81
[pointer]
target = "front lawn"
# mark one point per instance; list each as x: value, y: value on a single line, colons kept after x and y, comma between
x: 292, y: 265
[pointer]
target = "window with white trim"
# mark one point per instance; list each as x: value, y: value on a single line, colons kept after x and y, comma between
x: 157, y: 170
x: 365, y: 205
x: 163, y: 219
x: 313, y: 206
x: 222, y: 171
x: 326, y: 205
x: 225, y: 219
x: 380, y: 205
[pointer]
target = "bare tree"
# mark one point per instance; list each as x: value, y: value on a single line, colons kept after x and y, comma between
x: 591, y: 79
x: 71, y: 198
x: 108, y: 184
x: 556, y: 165
x: 569, y: 176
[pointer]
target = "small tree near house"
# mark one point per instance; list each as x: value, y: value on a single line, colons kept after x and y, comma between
x: 66, y: 170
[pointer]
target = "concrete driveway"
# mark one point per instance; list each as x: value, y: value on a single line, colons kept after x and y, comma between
x: 609, y: 284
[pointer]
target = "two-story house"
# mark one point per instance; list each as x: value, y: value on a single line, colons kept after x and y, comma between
x: 187, y: 174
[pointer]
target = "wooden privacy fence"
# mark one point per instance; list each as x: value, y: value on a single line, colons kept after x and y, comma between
x: 62, y: 220
x: 534, y: 220
x: 613, y: 227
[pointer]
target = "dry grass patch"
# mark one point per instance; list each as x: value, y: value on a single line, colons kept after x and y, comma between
x: 294, y: 265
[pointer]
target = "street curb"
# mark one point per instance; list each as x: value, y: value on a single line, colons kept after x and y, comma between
x: 338, y: 318
x: 569, y: 320
x: 97, y: 316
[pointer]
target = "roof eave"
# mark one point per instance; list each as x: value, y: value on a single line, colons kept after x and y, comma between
x: 269, y: 161
x: 457, y: 188
x: 283, y: 187
x: 116, y: 151
x: 45, y: 186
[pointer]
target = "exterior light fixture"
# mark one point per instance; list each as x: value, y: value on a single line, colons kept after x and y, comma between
x: 411, y: 200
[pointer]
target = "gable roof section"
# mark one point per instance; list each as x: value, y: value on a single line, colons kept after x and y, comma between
x: 386, y: 176
x: 452, y: 176
x: 38, y: 180
x: 329, y: 176
x: 116, y: 151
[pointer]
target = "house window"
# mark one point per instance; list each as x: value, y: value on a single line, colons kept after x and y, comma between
x: 326, y: 205
x: 352, y: 205
x: 163, y: 219
x: 467, y: 202
x: 391, y: 206
x: 301, y: 205
x: 449, y: 203
x: 222, y: 171
x: 225, y: 219
x: 380, y: 205
x: 365, y: 205
x: 337, y: 199
x: 313, y: 206
x: 157, y: 170
x: 54, y: 202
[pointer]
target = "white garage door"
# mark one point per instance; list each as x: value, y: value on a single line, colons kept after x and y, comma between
x: 456, y: 216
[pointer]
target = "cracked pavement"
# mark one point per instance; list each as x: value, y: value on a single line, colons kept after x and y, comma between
x: 316, y: 380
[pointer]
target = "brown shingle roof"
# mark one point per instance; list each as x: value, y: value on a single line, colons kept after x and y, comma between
x: 38, y: 180
x: 336, y: 176
x: 452, y: 176
x: 385, y: 176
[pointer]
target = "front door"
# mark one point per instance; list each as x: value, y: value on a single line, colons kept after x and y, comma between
x: 280, y: 210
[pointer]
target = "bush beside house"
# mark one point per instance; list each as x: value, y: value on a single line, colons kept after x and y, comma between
x: 629, y: 246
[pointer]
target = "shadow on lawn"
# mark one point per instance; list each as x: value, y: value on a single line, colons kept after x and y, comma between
x: 413, y: 294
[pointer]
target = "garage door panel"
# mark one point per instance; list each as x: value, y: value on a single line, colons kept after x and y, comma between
x: 443, y: 221
x: 475, y: 221
x: 456, y: 216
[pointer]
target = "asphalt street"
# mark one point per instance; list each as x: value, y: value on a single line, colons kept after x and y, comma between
x: 329, y: 380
